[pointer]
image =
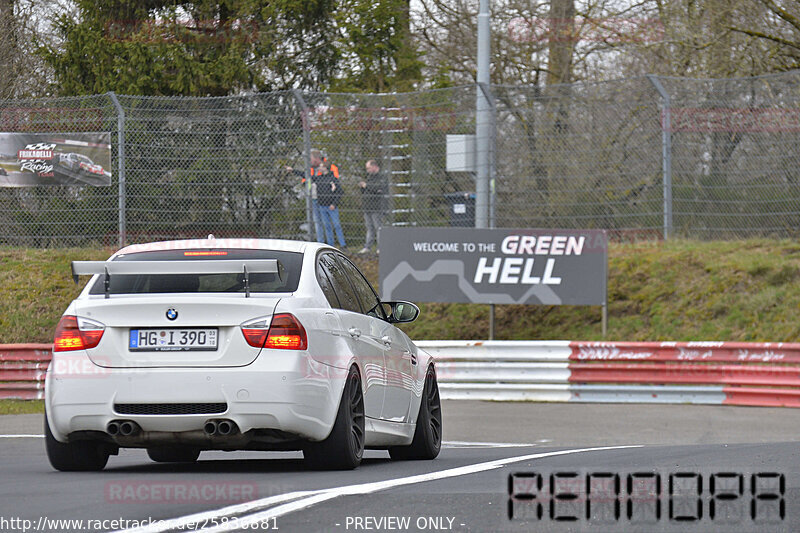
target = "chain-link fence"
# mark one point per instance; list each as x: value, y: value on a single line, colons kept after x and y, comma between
x: 643, y: 157
x: 736, y: 155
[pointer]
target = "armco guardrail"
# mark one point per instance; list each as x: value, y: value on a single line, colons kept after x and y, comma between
x: 765, y: 374
x: 22, y: 370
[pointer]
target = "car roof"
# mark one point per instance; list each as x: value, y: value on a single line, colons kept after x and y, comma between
x: 242, y: 244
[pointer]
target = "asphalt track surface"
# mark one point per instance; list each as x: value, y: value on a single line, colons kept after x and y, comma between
x: 652, y: 468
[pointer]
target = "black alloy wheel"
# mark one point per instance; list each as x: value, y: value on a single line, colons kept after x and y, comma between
x: 428, y: 434
x: 344, y: 447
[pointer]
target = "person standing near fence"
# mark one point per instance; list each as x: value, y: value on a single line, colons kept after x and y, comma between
x: 329, y: 193
x: 374, y: 194
x: 316, y: 160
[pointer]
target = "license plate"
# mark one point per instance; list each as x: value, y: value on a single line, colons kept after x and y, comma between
x: 172, y: 340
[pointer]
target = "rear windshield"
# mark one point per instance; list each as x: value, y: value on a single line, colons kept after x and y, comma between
x: 289, y: 264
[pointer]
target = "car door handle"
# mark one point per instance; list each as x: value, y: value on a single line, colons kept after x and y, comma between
x: 354, y: 332
x: 386, y: 340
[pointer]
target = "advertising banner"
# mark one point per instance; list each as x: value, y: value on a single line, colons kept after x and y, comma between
x: 494, y: 266
x: 37, y: 159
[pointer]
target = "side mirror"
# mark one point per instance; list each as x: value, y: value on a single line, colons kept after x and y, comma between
x: 401, y: 311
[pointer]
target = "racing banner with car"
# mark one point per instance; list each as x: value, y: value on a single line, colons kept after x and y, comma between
x: 494, y: 266
x: 36, y: 159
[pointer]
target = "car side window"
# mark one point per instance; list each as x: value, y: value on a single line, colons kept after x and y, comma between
x: 324, y: 280
x: 340, y: 284
x: 369, y: 300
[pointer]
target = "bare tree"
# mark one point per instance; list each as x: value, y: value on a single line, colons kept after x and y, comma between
x: 561, y: 42
x: 9, y: 51
x: 699, y: 39
x: 446, y: 33
x: 775, y: 26
x: 24, y: 26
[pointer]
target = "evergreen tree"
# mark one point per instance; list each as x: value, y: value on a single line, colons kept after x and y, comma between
x: 212, y: 47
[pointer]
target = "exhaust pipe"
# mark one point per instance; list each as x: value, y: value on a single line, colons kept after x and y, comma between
x: 220, y: 428
x: 210, y: 428
x: 122, y: 428
x: 128, y: 428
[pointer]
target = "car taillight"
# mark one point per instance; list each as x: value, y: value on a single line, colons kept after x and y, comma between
x: 286, y: 332
x: 255, y: 332
x: 73, y: 333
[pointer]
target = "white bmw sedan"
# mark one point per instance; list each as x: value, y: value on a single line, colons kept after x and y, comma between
x: 226, y: 344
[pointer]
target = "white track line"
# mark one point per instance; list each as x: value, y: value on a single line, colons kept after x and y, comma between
x: 367, y: 488
x: 465, y: 444
x: 299, y: 501
x: 199, y: 518
x: 21, y: 436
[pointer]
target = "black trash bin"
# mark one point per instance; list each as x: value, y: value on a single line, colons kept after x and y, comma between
x: 462, y: 208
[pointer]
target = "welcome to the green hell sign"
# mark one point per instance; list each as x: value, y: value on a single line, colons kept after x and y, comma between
x: 495, y: 266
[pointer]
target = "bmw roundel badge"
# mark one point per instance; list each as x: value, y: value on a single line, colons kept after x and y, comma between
x: 172, y: 314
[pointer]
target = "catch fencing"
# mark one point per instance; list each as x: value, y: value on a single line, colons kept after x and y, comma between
x: 759, y: 374
x: 642, y: 157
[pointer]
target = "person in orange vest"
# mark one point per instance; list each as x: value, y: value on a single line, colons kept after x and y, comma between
x: 316, y: 161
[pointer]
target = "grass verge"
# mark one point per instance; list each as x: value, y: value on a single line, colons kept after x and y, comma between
x: 21, y: 407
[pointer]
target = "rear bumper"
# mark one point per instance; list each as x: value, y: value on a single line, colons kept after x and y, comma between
x: 283, y: 390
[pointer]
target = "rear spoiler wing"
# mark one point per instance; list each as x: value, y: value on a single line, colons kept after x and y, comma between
x: 225, y: 266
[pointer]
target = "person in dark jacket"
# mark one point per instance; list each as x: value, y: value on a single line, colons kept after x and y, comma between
x: 316, y: 160
x: 374, y: 196
x: 329, y: 193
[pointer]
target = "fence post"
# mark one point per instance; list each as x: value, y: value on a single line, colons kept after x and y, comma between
x: 121, y: 167
x: 486, y: 90
x: 306, y: 161
x: 666, y: 152
x: 482, y: 120
x: 487, y: 94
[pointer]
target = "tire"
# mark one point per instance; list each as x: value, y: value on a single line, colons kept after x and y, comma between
x: 79, y: 456
x: 173, y: 454
x: 344, y: 447
x: 428, y: 434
